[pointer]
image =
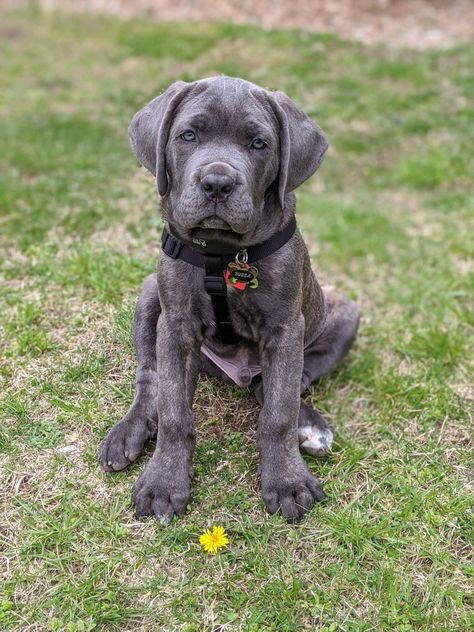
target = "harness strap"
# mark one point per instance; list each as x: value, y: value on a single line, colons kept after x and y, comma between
x: 196, y: 256
x: 216, y: 287
x: 215, y: 265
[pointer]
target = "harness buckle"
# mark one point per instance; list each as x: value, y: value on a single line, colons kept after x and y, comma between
x: 171, y: 246
x: 215, y: 284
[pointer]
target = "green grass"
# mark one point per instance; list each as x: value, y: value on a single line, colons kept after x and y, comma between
x: 388, y: 219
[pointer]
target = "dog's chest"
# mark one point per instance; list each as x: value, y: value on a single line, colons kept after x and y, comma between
x: 254, y: 312
x: 248, y: 312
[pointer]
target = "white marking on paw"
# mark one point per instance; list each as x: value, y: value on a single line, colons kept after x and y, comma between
x: 315, y: 441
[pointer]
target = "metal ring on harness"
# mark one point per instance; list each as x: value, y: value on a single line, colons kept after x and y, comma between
x: 241, y: 256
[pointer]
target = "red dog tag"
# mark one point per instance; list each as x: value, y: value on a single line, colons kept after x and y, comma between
x: 239, y: 285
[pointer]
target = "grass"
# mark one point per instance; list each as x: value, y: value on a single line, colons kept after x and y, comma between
x: 388, y: 219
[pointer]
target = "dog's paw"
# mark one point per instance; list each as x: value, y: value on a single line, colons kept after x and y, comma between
x: 124, y: 444
x: 291, y: 488
x: 162, y: 492
x: 316, y: 441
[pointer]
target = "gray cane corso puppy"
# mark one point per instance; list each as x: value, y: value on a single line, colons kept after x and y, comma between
x: 227, y: 156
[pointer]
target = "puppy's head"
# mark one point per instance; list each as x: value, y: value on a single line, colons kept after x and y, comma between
x: 225, y: 154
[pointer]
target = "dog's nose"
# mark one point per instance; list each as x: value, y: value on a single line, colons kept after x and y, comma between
x: 217, y: 186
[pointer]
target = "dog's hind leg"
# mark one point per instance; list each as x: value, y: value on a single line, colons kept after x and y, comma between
x: 320, y: 358
x: 126, y: 440
x: 335, y: 339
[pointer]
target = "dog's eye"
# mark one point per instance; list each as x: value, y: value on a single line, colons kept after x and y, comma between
x: 188, y: 135
x: 258, y: 143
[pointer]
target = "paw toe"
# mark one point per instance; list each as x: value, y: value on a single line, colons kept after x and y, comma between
x: 143, y: 504
x: 271, y: 501
x: 304, y: 499
x: 163, y: 509
x: 122, y: 446
x: 315, y: 488
x: 112, y: 458
x: 291, y: 510
x: 179, y: 503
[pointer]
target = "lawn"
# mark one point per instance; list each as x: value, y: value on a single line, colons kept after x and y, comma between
x: 387, y: 219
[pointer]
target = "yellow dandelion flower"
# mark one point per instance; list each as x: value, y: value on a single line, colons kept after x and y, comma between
x: 212, y: 541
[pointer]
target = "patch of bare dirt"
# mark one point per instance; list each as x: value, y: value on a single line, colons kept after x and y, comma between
x: 412, y: 23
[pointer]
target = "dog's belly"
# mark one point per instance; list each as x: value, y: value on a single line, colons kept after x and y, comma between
x: 241, y: 367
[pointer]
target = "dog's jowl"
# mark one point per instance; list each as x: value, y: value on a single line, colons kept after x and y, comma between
x: 234, y: 295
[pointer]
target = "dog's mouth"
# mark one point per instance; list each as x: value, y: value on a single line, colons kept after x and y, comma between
x: 213, y: 223
x: 216, y: 228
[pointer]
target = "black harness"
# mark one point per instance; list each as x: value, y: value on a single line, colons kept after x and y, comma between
x: 215, y: 266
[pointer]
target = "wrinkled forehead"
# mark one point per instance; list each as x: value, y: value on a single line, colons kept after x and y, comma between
x: 228, y: 105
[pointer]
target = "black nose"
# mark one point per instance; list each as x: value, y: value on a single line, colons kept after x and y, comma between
x: 217, y: 186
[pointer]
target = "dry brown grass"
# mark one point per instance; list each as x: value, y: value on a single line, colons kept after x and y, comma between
x: 412, y: 23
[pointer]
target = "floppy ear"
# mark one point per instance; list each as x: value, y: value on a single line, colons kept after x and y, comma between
x: 149, y: 130
x: 302, y: 144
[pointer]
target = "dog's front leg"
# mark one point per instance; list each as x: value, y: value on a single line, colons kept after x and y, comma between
x: 286, y: 481
x: 164, y: 487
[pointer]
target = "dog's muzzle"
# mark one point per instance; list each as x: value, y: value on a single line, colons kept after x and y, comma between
x: 218, y: 181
